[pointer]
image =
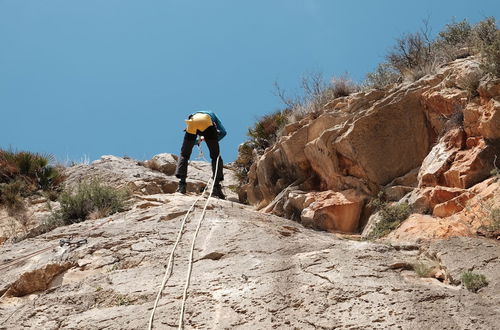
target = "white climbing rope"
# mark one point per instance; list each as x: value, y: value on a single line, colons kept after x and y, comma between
x: 190, y: 265
x: 168, y: 271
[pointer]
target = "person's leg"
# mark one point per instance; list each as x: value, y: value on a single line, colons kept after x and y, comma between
x: 210, y: 135
x: 182, y: 162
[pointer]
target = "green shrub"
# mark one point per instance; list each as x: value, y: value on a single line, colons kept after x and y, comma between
x: 493, y: 220
x: 470, y: 82
x: 266, y: 130
x: 413, y: 55
x: 473, y: 282
x: 391, y: 216
x: 11, y: 196
x: 456, y: 33
x: 417, y: 54
x: 491, y: 56
x: 88, y: 198
x: 425, y: 269
x: 384, y: 76
x: 315, y: 94
x: 485, y: 32
x: 33, y: 168
x: 243, y: 163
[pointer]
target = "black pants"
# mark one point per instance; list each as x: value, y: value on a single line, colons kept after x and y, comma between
x: 210, y: 135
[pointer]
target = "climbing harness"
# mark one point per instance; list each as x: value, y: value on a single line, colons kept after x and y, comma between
x: 168, y: 271
x: 200, y: 156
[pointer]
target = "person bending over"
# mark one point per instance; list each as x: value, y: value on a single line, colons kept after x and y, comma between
x: 207, y: 125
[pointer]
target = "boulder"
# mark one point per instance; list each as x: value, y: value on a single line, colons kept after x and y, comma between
x: 422, y: 226
x: 489, y: 123
x: 452, y: 206
x: 473, y: 164
x: 395, y: 193
x: 333, y: 211
x: 439, y: 158
x: 166, y: 163
x: 489, y: 89
x: 384, y: 142
x: 409, y: 179
x: 483, y: 119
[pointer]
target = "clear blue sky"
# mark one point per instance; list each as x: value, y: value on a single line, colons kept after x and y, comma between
x: 95, y: 77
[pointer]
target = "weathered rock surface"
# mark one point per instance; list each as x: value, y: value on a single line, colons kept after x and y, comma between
x: 126, y: 172
x: 251, y: 271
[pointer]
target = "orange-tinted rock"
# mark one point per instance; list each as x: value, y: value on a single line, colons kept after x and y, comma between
x: 489, y: 89
x: 421, y: 226
x: 439, y: 158
x: 440, y: 194
x: 472, y: 165
x: 452, y: 206
x: 444, y: 101
x: 441, y: 103
x: 333, y: 211
x: 489, y: 123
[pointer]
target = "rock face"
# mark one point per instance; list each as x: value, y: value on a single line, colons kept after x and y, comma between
x: 413, y: 142
x: 251, y: 271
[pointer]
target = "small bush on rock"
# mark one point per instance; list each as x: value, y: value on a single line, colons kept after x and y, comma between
x: 492, y: 221
x: 90, y: 198
x: 384, y: 76
x: 390, y: 216
x: 266, y: 130
x: 425, y: 269
x: 473, y: 282
x: 11, y: 196
x: 342, y: 86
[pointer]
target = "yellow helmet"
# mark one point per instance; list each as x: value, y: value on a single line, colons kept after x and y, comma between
x: 198, y: 121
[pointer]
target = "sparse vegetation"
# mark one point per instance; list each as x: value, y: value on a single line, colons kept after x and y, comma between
x: 417, y: 54
x: 24, y: 174
x: 32, y: 168
x: 425, y: 268
x: 390, y: 216
x: 262, y: 135
x: 473, y: 282
x: 470, y: 82
x: 492, y: 221
x: 342, y: 86
x: 87, y: 200
x: 266, y: 130
x: 11, y: 196
x: 413, y: 55
x: 243, y: 163
x: 384, y: 76
x: 315, y: 94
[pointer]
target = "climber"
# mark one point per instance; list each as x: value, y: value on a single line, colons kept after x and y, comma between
x: 208, y: 127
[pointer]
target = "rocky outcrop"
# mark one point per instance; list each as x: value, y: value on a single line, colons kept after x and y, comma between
x: 129, y: 173
x: 427, y: 143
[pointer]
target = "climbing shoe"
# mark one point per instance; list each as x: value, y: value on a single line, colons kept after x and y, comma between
x: 181, y: 188
x: 217, y: 192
